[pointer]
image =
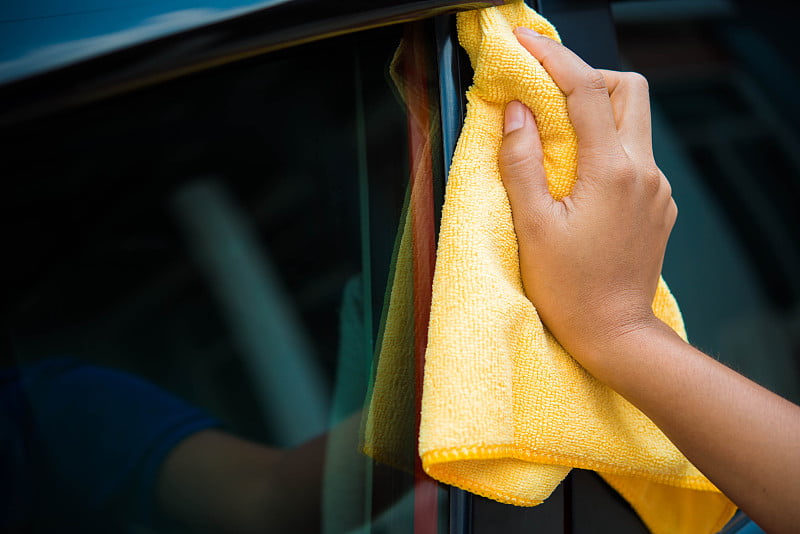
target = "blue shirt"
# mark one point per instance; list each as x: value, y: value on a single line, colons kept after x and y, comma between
x: 81, y: 445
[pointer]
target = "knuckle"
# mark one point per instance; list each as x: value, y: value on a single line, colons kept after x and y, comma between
x: 652, y: 178
x: 672, y: 213
x: 516, y: 160
x: 666, y: 186
x: 636, y: 81
x: 549, y: 47
x: 593, y: 80
x: 549, y: 53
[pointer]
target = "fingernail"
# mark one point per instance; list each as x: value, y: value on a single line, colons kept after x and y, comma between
x: 526, y: 31
x: 515, y: 116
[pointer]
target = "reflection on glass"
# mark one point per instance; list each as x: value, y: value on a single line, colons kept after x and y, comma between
x: 202, y: 272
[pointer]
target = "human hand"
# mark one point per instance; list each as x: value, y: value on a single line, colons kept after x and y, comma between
x: 590, y: 262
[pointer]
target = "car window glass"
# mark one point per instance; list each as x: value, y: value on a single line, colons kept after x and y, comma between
x: 215, y: 250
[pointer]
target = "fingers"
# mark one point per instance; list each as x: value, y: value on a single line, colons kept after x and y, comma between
x: 588, y: 102
x: 630, y: 101
x: 522, y: 169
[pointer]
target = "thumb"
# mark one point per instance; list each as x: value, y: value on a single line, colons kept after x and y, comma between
x: 522, y: 169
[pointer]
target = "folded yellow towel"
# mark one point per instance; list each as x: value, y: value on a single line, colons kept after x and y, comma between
x: 506, y: 411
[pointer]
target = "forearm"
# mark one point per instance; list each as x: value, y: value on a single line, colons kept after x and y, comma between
x: 590, y: 263
x: 744, y: 438
x: 217, y: 482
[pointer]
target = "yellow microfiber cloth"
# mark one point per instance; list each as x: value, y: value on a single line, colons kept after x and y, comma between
x: 506, y: 412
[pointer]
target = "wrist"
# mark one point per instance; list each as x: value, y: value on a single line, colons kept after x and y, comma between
x: 606, y: 348
x: 619, y: 358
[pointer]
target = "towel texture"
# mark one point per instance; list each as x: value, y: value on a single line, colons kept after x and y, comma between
x: 506, y: 412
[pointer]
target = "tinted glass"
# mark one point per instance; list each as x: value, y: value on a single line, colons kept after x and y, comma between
x: 197, y: 292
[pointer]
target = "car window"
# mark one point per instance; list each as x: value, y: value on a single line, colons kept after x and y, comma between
x: 225, y: 238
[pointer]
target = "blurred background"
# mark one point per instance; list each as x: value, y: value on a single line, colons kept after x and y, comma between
x: 723, y: 79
